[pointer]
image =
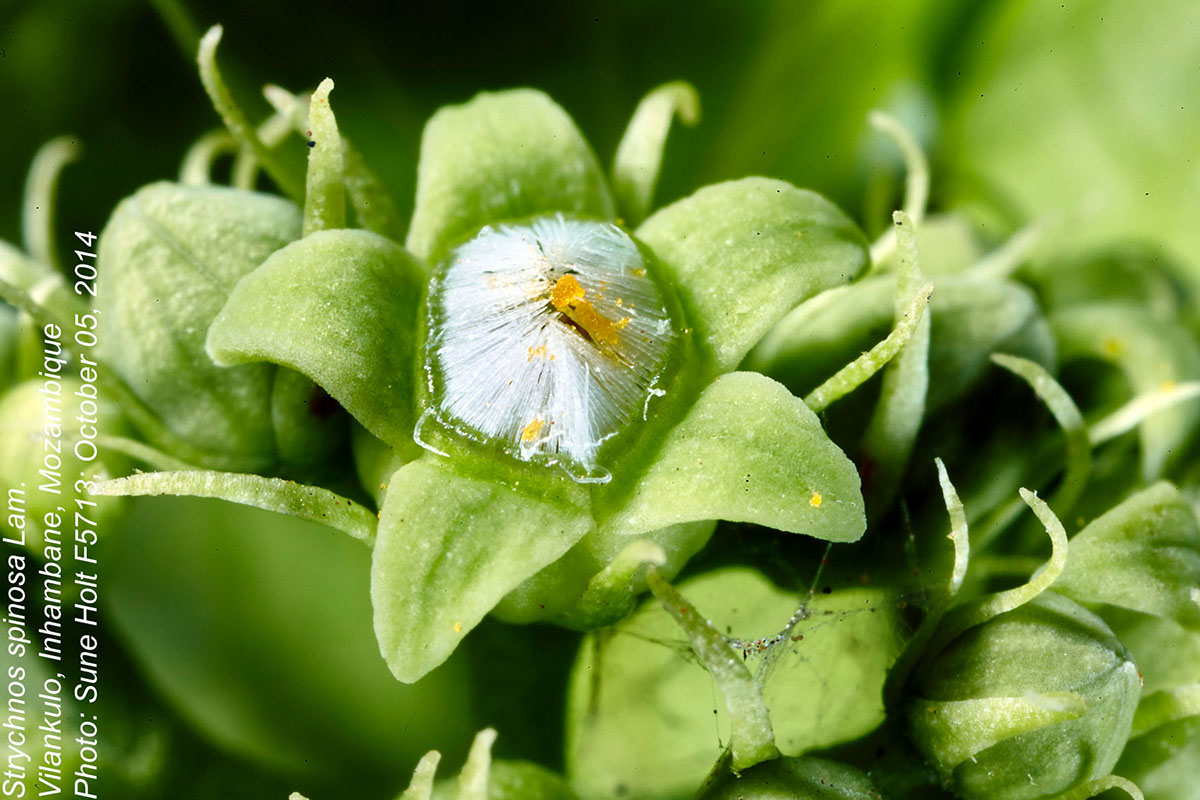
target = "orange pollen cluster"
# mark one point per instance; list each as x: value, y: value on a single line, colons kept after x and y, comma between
x: 567, y: 297
x: 530, y: 432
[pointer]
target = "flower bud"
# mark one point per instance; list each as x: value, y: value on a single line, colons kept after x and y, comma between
x: 794, y: 779
x: 32, y: 457
x: 512, y: 780
x: 1027, y: 704
x: 169, y: 257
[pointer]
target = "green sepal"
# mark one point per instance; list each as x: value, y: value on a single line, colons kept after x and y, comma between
x: 1143, y: 555
x: 341, y: 307
x: 748, y: 451
x: 168, y: 259
x: 1150, y: 352
x: 744, y: 253
x: 501, y: 155
x: 450, y: 547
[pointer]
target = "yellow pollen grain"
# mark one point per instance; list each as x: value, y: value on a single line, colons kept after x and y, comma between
x: 458, y: 627
x: 530, y: 432
x: 815, y: 500
x: 641, y: 273
x: 1113, y: 347
x: 534, y: 352
x: 567, y: 296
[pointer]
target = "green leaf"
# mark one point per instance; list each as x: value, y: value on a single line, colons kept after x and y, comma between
x: 744, y: 253
x: 639, y: 155
x: 169, y: 257
x: 451, y: 547
x: 1143, y: 555
x: 749, y: 451
x: 340, y: 307
x: 1151, y: 352
x: 502, y: 155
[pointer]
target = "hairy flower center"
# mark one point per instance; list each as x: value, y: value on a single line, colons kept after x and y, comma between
x: 547, y: 337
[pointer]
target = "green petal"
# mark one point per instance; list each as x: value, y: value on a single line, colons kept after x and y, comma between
x: 501, y: 155
x: 749, y: 451
x: 169, y: 257
x: 1143, y: 555
x: 341, y: 307
x: 450, y: 547
x: 745, y: 253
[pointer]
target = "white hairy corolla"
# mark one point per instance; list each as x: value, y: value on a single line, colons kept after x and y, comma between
x: 547, y: 338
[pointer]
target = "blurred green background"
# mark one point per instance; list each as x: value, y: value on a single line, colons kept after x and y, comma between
x: 1083, y: 113
x: 1082, y: 116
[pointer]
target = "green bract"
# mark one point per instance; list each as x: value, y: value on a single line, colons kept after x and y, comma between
x: 511, y: 199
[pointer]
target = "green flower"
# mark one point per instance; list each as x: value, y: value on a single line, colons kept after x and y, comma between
x: 621, y: 419
x: 546, y: 396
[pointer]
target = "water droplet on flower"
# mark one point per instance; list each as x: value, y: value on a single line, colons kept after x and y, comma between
x: 547, y: 337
